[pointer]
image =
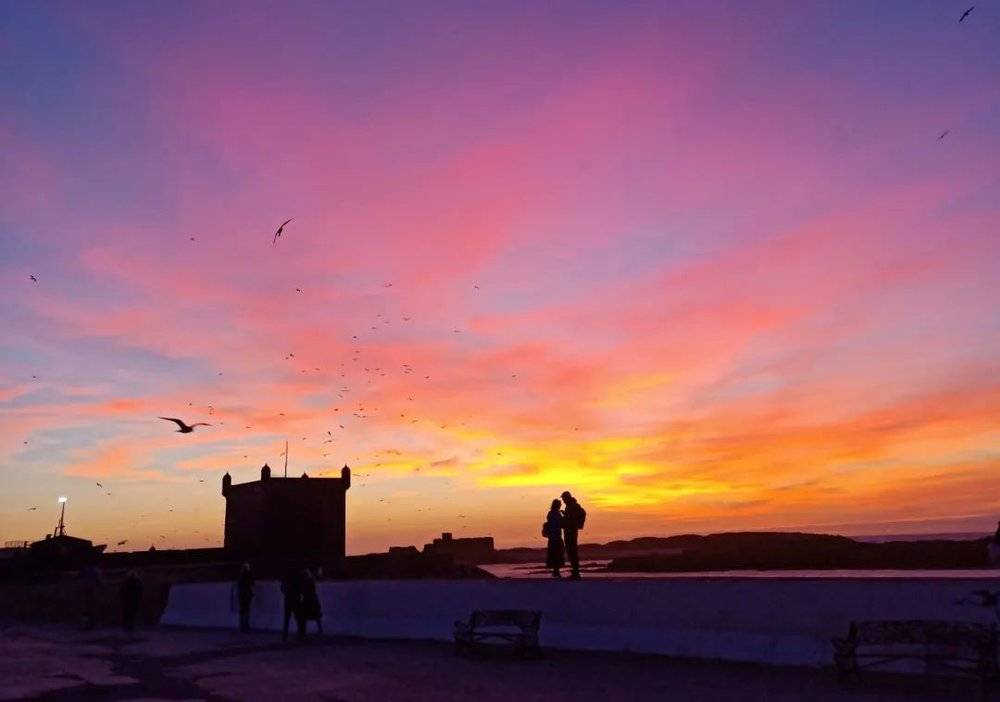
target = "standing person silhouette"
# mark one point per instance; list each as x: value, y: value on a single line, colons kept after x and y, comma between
x: 244, y: 592
x: 91, y: 576
x: 573, y: 518
x: 130, y: 592
x: 311, y: 609
x: 555, y: 557
x: 291, y: 588
x: 994, y: 548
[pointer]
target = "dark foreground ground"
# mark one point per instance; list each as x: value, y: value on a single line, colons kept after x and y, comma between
x: 59, y: 663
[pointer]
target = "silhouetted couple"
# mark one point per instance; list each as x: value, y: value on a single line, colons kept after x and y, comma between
x: 562, y: 525
x: 301, y: 601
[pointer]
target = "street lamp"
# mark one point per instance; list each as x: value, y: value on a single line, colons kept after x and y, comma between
x: 62, y: 515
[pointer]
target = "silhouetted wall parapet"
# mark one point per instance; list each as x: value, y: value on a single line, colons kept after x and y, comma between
x: 287, y: 518
x: 777, y: 621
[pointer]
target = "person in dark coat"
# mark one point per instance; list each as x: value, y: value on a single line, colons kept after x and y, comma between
x: 555, y: 557
x: 291, y: 588
x: 311, y: 609
x: 244, y: 593
x: 130, y: 593
x: 91, y: 576
x: 573, y: 518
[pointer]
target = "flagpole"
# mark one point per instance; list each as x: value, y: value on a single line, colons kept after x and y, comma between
x: 286, y: 458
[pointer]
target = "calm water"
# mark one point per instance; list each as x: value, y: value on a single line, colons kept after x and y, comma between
x: 533, y: 570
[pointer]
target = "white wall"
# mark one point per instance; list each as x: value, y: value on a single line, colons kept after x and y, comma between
x: 779, y: 621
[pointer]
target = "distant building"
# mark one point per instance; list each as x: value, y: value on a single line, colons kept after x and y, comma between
x: 62, y: 552
x: 473, y: 550
x: 403, y: 551
x: 284, y: 518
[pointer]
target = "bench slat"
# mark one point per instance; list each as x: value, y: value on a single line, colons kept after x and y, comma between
x: 478, y: 629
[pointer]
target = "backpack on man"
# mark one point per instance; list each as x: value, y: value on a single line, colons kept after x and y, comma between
x: 577, y: 516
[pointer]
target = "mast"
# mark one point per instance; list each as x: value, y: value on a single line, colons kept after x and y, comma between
x: 61, y: 529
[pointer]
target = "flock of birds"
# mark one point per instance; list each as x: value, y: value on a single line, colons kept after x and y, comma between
x: 361, y: 412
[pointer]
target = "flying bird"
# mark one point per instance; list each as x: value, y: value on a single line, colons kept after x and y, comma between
x: 945, y: 133
x: 33, y: 279
x: 32, y: 509
x: 185, y: 428
x: 99, y: 485
x: 281, y: 230
x: 122, y: 543
x: 966, y: 14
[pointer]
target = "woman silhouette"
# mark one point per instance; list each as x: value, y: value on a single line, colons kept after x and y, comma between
x: 555, y: 554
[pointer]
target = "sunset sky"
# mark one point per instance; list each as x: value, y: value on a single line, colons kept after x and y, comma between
x: 707, y: 265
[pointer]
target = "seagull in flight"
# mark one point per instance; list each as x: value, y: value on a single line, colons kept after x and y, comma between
x: 32, y: 509
x: 280, y: 230
x: 966, y: 14
x: 945, y: 133
x: 185, y: 428
x: 99, y: 485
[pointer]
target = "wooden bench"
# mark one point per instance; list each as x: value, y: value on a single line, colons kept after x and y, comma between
x: 962, y: 647
x: 517, y: 628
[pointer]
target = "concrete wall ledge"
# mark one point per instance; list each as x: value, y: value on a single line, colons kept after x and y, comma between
x: 773, y: 621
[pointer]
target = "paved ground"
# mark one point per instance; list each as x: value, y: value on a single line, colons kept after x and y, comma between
x: 52, y: 663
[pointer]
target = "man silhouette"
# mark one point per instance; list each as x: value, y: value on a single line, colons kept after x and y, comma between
x: 310, y: 608
x: 91, y: 576
x: 573, y: 518
x: 291, y: 588
x: 130, y: 592
x: 244, y: 591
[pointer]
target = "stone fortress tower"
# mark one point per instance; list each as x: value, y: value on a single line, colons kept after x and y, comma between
x: 287, y: 518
